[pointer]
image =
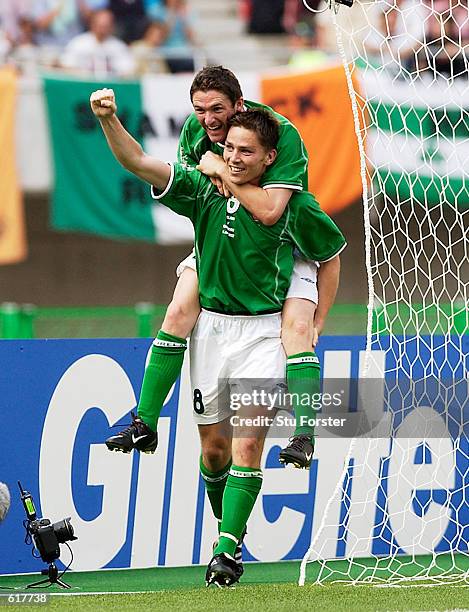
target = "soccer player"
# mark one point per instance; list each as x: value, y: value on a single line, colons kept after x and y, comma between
x: 244, y: 269
x: 216, y: 95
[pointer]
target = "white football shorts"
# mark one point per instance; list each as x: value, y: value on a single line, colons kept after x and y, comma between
x: 303, y: 281
x: 232, y: 355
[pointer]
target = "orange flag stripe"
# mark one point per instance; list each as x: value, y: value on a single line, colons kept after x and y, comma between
x: 12, y: 228
x: 318, y: 104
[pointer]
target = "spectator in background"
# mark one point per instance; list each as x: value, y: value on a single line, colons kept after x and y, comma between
x: 305, y: 54
x: 447, y: 37
x: 296, y: 13
x: 266, y: 17
x: 5, y: 47
x: 459, y: 34
x: 98, y: 52
x: 130, y: 18
x: 11, y: 12
x: 58, y: 21
x: 398, y: 35
x: 180, y: 40
x: 147, y: 50
x: 24, y: 53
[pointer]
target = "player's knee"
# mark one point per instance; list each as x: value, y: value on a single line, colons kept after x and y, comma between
x: 216, y: 454
x: 248, y: 452
x: 297, y: 335
x: 178, y: 320
x: 297, y: 328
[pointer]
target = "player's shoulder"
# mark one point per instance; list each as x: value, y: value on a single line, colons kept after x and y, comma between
x: 200, y: 182
x: 192, y: 130
x: 193, y: 139
x: 304, y: 199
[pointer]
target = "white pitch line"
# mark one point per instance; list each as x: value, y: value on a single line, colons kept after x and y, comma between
x: 419, y: 586
x: 102, y: 593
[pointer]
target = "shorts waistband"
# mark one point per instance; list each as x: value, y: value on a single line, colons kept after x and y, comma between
x: 237, y: 315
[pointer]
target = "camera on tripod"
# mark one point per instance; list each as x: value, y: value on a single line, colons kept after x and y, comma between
x: 46, y: 536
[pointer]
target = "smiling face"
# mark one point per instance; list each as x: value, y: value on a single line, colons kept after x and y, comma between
x: 213, y: 110
x: 246, y: 157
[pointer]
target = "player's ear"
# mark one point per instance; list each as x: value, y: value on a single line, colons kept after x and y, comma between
x: 239, y: 105
x: 270, y: 157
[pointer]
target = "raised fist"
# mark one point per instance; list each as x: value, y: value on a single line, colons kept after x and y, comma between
x: 103, y: 103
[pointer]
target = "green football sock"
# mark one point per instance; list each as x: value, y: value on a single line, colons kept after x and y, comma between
x: 241, y: 491
x: 215, y: 485
x: 303, y: 380
x: 167, y: 355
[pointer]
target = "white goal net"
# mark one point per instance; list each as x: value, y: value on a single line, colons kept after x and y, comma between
x: 400, y: 508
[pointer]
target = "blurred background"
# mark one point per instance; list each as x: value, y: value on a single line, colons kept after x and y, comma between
x: 66, y: 276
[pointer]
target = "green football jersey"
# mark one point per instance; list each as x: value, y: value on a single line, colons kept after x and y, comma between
x: 245, y: 267
x: 290, y: 169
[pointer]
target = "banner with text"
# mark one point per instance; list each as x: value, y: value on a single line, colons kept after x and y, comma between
x: 12, y: 228
x: 141, y: 510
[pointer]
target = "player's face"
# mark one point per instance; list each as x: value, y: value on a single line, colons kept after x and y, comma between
x: 245, y: 156
x: 213, y: 110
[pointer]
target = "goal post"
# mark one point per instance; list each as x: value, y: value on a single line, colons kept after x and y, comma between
x: 400, y: 507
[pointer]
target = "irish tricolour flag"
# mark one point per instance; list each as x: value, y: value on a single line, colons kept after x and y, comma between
x: 92, y: 192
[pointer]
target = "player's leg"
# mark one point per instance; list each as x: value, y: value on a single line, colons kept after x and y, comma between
x: 242, y: 488
x: 258, y: 354
x: 169, y: 346
x: 303, y: 372
x: 215, y: 462
x: 164, y: 366
x: 210, y: 399
x: 212, y: 410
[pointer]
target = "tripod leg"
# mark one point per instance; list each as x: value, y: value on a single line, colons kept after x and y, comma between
x: 37, y: 584
x: 63, y: 584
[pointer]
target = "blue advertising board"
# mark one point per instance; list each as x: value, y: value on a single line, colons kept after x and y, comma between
x: 59, y: 399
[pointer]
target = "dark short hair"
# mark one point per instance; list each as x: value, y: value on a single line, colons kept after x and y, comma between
x: 219, y: 79
x: 260, y: 121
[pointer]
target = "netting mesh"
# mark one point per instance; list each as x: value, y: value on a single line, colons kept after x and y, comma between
x: 400, y: 506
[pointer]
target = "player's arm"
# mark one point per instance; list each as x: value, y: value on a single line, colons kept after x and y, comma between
x: 318, y: 238
x: 328, y: 283
x: 266, y: 205
x: 125, y: 148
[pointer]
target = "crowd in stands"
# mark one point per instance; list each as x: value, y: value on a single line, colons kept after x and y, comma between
x: 119, y: 38
x: 126, y: 38
x: 415, y: 37
x: 425, y: 37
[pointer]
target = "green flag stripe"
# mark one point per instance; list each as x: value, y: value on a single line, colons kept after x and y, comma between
x: 450, y: 123
x: 92, y: 192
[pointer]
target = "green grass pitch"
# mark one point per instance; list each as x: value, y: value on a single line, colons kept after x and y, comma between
x: 265, y: 586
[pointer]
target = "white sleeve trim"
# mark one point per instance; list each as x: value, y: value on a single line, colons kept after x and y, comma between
x: 168, y: 186
x: 282, y: 186
x: 335, y: 254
